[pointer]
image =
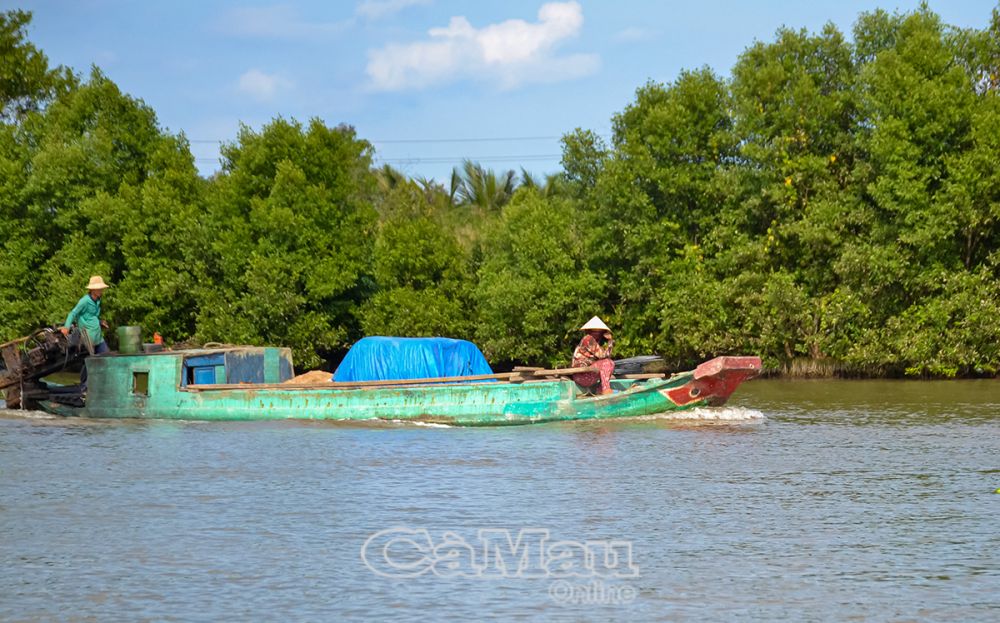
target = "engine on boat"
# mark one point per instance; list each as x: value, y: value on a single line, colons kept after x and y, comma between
x: 25, y: 361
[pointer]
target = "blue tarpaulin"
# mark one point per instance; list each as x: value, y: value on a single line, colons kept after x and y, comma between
x: 384, y: 358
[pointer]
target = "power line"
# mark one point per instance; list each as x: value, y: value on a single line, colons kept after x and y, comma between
x: 488, y: 139
x: 439, y: 159
x: 445, y: 159
x: 495, y: 139
x: 394, y: 141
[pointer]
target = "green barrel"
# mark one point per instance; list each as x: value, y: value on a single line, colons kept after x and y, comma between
x: 129, y: 340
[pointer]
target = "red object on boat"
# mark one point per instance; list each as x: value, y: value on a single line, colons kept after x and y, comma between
x: 716, y: 380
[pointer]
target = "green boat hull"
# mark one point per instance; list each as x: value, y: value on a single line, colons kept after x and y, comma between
x: 151, y: 386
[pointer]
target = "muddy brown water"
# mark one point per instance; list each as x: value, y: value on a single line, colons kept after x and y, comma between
x: 801, y: 500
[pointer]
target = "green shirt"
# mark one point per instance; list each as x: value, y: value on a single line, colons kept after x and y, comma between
x: 87, y: 315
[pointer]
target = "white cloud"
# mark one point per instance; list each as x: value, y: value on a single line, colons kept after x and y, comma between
x: 276, y: 22
x: 379, y: 9
x: 507, y: 54
x: 262, y: 86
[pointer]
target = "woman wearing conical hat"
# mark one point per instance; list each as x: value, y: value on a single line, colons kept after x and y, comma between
x: 594, y: 351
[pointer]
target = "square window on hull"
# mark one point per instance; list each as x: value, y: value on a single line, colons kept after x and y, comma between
x: 140, y: 383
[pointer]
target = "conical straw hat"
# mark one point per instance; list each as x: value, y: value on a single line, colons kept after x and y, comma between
x: 595, y: 324
x: 96, y: 283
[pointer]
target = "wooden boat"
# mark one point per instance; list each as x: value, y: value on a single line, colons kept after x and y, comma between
x: 251, y: 383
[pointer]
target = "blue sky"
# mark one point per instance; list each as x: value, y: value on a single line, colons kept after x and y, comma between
x: 424, y: 80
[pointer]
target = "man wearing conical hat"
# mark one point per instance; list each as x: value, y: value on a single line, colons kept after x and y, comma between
x: 594, y: 351
x: 87, y: 315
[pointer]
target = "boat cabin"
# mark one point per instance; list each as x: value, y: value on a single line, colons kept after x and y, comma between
x: 168, y: 371
x: 236, y: 365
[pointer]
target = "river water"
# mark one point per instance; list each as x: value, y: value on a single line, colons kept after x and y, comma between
x: 801, y: 500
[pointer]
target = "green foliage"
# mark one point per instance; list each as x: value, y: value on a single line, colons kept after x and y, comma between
x: 583, y: 156
x: 535, y: 288
x: 27, y: 83
x: 427, y: 312
x: 95, y: 187
x: 291, y: 230
x: 551, y: 185
x: 813, y: 206
x: 656, y: 193
x: 954, y: 331
x: 421, y: 269
x: 833, y: 199
x: 484, y: 188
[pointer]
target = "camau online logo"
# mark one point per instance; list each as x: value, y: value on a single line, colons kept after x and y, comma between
x: 498, y: 553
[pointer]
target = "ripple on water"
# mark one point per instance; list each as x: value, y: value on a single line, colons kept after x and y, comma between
x: 855, y: 501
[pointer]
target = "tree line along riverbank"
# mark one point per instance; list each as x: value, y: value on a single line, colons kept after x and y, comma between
x: 831, y: 205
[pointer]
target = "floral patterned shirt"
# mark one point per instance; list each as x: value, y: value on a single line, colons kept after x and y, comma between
x: 590, y: 351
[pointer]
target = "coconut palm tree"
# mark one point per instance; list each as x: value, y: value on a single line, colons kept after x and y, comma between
x: 551, y: 186
x: 474, y: 185
x: 388, y: 177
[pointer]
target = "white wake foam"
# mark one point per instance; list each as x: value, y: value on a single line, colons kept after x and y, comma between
x: 710, y: 414
x: 419, y: 423
x: 29, y: 415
